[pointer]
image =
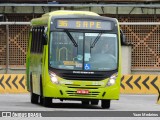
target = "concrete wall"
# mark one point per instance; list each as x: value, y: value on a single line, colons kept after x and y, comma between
x: 126, y: 60
x: 146, y: 72
x: 13, y: 71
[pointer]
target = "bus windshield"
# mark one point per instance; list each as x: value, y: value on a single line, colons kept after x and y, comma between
x: 83, y: 51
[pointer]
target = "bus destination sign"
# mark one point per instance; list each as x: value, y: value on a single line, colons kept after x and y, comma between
x: 83, y: 24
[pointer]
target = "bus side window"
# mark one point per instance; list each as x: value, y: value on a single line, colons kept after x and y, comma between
x: 37, y: 39
x: 33, y: 40
x: 41, y: 43
x: 40, y: 40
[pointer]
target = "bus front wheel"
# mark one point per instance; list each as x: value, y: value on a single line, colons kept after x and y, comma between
x: 47, y: 101
x: 105, y: 104
x: 34, y: 98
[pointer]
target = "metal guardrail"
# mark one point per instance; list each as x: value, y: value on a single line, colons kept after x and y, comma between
x: 80, y: 5
x: 14, y: 23
x: 139, y: 23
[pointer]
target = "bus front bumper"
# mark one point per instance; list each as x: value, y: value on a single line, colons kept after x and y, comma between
x: 61, y: 92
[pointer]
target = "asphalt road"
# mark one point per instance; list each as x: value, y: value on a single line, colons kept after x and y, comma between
x: 21, y: 102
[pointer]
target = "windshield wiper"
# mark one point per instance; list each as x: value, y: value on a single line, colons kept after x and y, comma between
x: 96, y: 40
x: 71, y: 38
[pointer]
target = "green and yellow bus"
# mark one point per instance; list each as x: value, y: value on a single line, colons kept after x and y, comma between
x: 74, y: 55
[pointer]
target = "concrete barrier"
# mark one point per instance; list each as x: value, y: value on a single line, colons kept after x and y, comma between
x: 140, y: 84
x: 130, y: 84
x: 12, y: 83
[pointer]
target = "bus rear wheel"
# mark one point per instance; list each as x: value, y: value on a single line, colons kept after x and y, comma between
x: 105, y: 104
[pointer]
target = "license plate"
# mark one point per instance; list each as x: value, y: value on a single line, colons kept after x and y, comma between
x: 82, y: 91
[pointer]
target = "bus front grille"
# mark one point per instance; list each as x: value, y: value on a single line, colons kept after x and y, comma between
x: 71, y: 76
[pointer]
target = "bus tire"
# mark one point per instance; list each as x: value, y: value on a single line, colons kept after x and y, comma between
x: 105, y: 104
x: 85, y: 102
x: 47, y: 101
x: 34, y: 97
x: 94, y: 102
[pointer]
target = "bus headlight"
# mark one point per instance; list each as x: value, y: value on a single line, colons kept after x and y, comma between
x: 112, y: 80
x: 53, y: 78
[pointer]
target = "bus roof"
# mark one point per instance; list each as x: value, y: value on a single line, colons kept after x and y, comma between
x: 69, y: 12
x: 44, y: 19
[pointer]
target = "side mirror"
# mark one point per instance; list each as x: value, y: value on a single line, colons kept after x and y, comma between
x: 44, y: 39
x: 123, y: 38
